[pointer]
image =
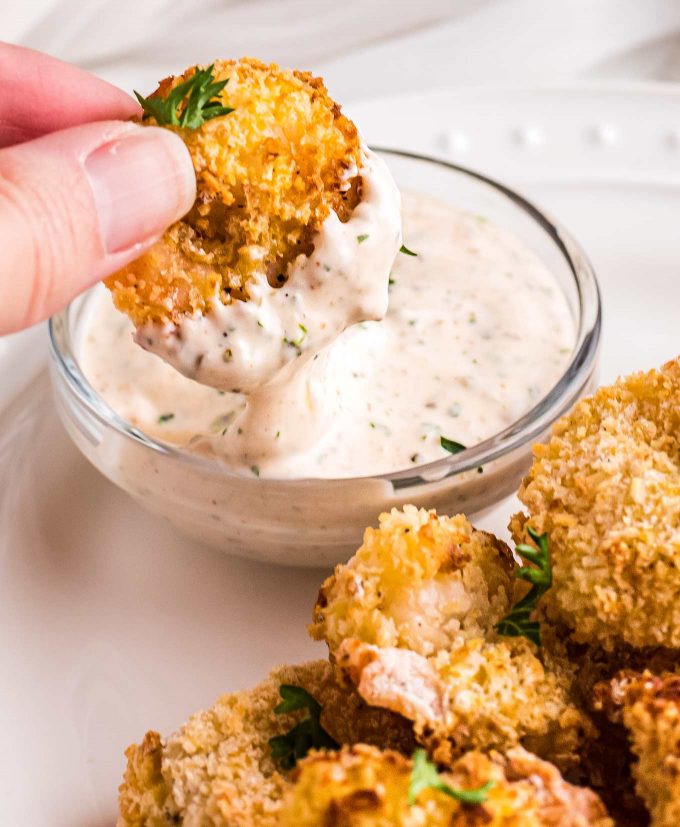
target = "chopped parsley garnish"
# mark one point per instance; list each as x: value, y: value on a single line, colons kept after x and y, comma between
x: 424, y: 776
x: 362, y: 238
x: 390, y: 282
x: 451, y: 445
x: 190, y: 104
x: 255, y: 469
x: 405, y: 250
x: 517, y: 622
x: 307, y: 734
x: 165, y: 418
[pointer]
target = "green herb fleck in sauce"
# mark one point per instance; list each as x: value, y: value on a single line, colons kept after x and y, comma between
x: 451, y: 445
x: 297, y: 343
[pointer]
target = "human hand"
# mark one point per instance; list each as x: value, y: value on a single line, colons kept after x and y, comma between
x: 82, y: 190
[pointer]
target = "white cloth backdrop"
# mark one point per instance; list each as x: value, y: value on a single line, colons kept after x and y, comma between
x: 363, y: 47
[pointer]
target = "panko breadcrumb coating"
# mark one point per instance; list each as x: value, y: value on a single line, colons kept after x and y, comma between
x: 409, y: 621
x: 364, y: 787
x: 649, y: 706
x: 606, y: 489
x: 418, y: 581
x: 217, y: 769
x: 606, y: 759
x: 483, y: 694
x: 268, y: 175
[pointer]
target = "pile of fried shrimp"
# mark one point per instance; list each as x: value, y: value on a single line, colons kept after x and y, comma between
x: 450, y: 696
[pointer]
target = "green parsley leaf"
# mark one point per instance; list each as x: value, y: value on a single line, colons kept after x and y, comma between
x: 424, y: 776
x: 518, y: 623
x: 165, y: 418
x: 362, y: 238
x: 190, y: 104
x: 451, y: 445
x: 405, y: 250
x: 307, y: 734
x: 297, y: 343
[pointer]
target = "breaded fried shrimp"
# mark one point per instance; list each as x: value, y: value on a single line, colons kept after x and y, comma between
x: 419, y: 581
x: 649, y: 707
x: 281, y: 175
x: 606, y: 489
x: 268, y: 174
x: 218, y: 768
x: 483, y: 694
x: 364, y: 787
x: 652, y: 717
x: 409, y: 621
x: 600, y: 677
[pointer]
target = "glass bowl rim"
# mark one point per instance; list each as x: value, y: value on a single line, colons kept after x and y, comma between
x: 524, y: 430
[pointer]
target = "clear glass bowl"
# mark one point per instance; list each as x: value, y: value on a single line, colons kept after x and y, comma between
x: 319, y: 522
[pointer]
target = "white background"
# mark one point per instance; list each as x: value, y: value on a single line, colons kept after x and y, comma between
x: 364, y: 47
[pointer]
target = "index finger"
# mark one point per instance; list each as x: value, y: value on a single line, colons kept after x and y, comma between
x: 40, y: 94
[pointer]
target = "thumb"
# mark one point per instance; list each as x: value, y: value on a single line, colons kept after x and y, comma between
x: 77, y: 205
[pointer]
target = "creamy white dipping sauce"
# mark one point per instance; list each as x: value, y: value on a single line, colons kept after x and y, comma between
x: 477, y: 331
x: 241, y: 346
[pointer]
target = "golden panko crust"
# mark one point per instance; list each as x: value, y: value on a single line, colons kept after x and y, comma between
x: 606, y: 488
x: 419, y: 581
x: 649, y: 706
x: 268, y: 175
x: 483, y: 695
x: 364, y: 787
x: 217, y: 769
x: 606, y: 759
x: 409, y: 621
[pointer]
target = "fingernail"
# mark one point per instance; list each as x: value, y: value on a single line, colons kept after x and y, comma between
x: 142, y: 183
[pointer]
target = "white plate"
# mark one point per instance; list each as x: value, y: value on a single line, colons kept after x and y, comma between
x: 109, y: 624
